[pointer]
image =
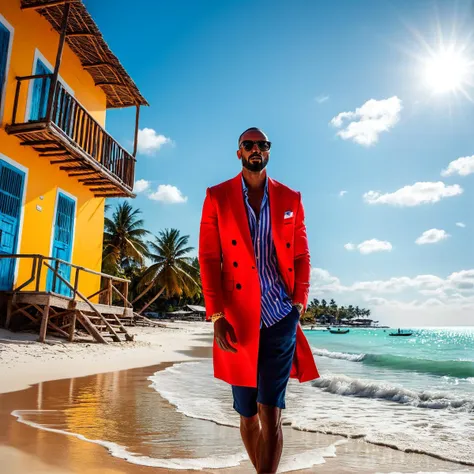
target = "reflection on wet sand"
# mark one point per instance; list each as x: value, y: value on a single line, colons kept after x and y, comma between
x: 122, y: 408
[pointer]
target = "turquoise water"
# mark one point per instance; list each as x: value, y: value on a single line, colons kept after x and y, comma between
x: 411, y: 393
x: 446, y: 353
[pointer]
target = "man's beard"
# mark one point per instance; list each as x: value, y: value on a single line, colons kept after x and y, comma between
x: 255, y: 166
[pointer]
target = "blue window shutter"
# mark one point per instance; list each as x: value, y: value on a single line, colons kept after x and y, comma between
x: 62, y: 244
x: 11, y: 190
x: 39, y: 99
x: 4, y: 42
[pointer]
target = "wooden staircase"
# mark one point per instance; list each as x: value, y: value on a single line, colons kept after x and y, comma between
x: 62, y: 317
x: 74, y: 315
x: 101, y: 326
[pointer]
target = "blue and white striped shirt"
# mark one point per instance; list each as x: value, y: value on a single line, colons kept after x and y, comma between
x: 276, y: 303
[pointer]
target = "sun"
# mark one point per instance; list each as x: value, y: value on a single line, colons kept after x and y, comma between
x: 447, y: 71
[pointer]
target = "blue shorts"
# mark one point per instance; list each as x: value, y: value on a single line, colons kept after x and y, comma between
x: 275, y: 358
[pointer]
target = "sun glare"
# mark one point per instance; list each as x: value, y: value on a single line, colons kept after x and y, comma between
x: 447, y: 71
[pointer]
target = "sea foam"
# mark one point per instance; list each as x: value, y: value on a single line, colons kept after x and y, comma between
x: 118, y: 451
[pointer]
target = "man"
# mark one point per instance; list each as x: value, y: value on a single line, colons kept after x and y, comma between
x: 255, y: 271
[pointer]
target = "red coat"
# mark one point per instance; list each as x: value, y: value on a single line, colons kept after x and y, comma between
x: 230, y: 278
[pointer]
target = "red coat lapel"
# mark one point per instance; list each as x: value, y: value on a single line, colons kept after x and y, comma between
x: 276, y: 211
x: 237, y: 205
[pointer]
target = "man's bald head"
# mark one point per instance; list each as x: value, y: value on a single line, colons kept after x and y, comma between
x: 251, y: 129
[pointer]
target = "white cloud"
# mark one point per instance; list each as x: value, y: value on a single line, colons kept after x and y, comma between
x: 141, y: 185
x: 421, y: 300
x: 341, y: 193
x: 374, y: 245
x: 461, y: 224
x: 414, y: 195
x: 321, y: 99
x: 463, y: 281
x: 462, y: 167
x: 431, y: 236
x: 169, y: 194
x: 367, y: 122
x: 149, y: 142
x: 370, y: 246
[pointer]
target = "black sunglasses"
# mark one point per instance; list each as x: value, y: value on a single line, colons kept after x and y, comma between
x: 263, y: 145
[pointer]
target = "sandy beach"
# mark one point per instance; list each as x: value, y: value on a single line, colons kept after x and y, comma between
x: 103, y: 392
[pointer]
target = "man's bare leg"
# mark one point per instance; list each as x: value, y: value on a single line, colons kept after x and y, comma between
x: 270, y: 441
x: 250, y: 432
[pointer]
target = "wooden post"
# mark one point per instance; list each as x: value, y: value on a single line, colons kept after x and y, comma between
x: 44, y: 323
x: 137, y: 120
x: 54, y: 79
x: 72, y: 326
x: 125, y: 293
x: 9, y: 312
x: 38, y: 274
x: 55, y: 276
x: 76, y: 284
x: 109, y: 291
x: 15, y: 103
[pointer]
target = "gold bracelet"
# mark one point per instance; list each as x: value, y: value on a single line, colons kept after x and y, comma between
x: 217, y: 316
x: 300, y: 307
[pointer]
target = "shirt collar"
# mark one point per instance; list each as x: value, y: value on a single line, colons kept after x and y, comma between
x: 246, y: 191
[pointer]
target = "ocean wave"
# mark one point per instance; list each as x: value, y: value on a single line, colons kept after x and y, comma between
x: 451, y: 368
x: 118, y: 451
x: 302, y: 460
x: 347, y: 386
x: 338, y: 355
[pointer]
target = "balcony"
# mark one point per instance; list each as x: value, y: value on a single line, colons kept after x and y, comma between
x: 61, y: 131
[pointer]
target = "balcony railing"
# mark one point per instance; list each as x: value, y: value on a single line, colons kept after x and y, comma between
x: 60, y: 126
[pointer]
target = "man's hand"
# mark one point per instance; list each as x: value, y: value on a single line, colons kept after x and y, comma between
x: 222, y: 329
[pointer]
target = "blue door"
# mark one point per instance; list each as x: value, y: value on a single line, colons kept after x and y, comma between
x: 4, y: 42
x: 39, y: 97
x: 11, y: 190
x: 62, y: 244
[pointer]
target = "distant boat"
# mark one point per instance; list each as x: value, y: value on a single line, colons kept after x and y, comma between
x: 338, y: 331
x: 400, y: 333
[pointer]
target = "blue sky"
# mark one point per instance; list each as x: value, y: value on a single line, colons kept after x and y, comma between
x: 211, y: 69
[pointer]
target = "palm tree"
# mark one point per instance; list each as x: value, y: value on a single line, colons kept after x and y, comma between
x: 124, y: 247
x: 173, y: 272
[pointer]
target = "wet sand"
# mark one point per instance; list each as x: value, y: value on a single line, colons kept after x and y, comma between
x: 121, y: 407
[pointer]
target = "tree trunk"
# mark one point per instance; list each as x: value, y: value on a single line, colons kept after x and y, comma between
x: 153, y: 299
x: 146, y: 290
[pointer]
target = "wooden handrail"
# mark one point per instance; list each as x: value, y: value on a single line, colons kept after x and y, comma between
x: 72, y: 265
x: 91, y: 306
x: 41, y: 261
x: 32, y: 76
x: 67, y: 113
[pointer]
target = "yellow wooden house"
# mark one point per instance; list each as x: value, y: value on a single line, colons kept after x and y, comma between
x: 58, y: 164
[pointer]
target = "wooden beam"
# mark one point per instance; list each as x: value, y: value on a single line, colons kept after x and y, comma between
x: 72, y: 326
x: 59, y: 55
x: 137, y: 120
x: 93, y: 180
x: 39, y: 6
x: 104, y: 83
x: 9, y: 312
x: 76, y: 34
x: 60, y: 153
x: 37, y: 142
x: 46, y: 150
x: 99, y: 64
x: 112, y: 195
x: 72, y: 168
x: 85, y: 173
x: 67, y: 160
x: 104, y: 188
x: 44, y: 324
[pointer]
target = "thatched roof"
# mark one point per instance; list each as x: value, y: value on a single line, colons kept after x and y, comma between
x: 85, y: 39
